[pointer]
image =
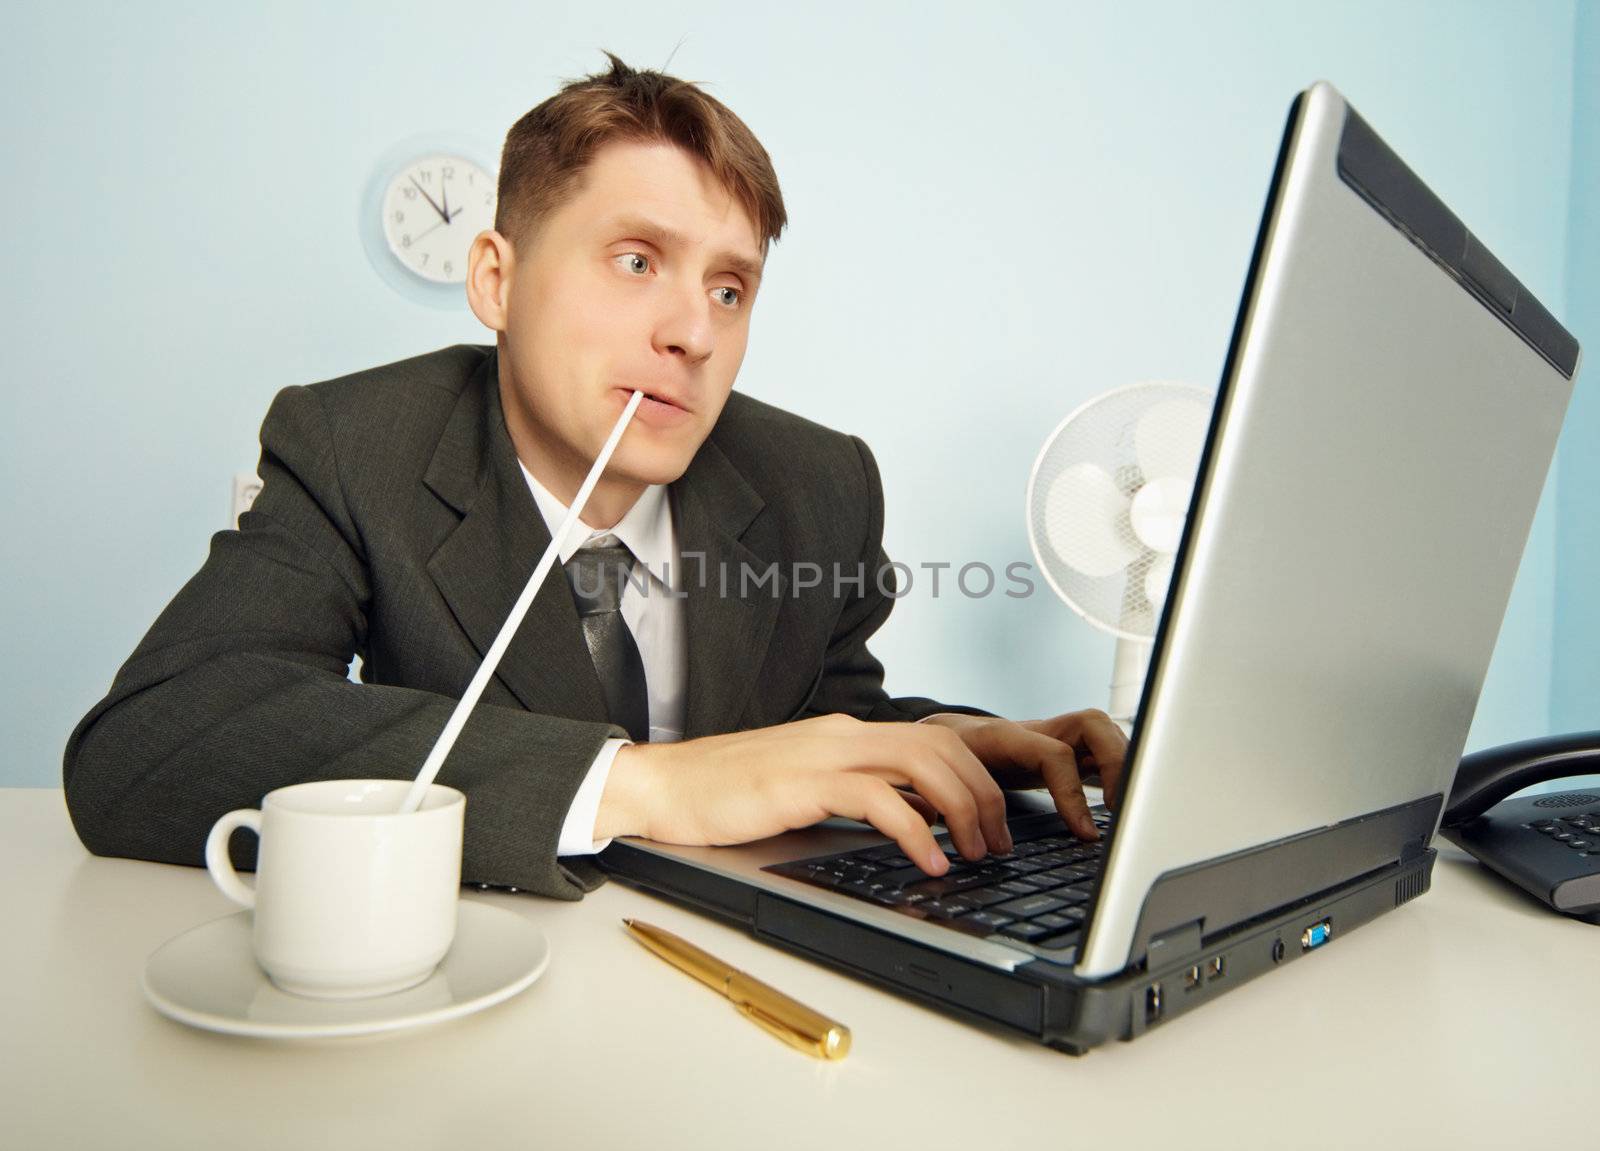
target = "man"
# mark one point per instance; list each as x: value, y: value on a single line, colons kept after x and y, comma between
x: 403, y: 508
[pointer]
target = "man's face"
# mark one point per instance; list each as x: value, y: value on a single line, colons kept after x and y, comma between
x: 643, y: 279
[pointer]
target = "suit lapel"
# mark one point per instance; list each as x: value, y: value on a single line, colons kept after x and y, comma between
x: 482, y: 566
x: 728, y: 632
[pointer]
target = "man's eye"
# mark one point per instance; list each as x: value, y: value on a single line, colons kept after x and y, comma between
x: 736, y: 295
x: 635, y: 262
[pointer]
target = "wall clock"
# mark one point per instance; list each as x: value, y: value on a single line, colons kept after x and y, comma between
x: 425, y: 202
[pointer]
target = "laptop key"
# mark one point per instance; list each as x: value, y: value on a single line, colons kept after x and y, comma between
x: 899, y: 897
x: 940, y: 886
x: 1024, y: 866
x: 1031, y: 905
x: 1070, y: 873
x: 1025, y: 931
x: 901, y: 876
x: 991, y: 919
x: 977, y: 900
x: 1038, y: 882
x: 1054, y: 921
x: 1064, y: 939
x: 863, y: 891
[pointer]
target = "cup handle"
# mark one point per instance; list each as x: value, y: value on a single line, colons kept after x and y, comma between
x: 217, y: 861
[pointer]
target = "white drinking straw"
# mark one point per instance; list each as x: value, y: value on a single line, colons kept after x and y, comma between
x: 469, y: 700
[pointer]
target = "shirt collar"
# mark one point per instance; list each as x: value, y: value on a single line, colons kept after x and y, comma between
x: 646, y: 529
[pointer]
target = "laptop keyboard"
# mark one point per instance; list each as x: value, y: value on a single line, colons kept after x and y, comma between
x: 1037, y: 896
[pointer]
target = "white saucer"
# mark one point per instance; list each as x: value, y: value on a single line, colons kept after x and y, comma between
x: 208, y: 978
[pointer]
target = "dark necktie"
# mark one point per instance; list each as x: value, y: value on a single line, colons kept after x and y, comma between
x: 596, y: 573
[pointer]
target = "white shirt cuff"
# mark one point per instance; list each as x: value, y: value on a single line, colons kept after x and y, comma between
x: 577, y: 833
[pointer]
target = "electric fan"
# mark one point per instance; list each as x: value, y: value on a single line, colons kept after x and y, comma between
x: 1107, y: 500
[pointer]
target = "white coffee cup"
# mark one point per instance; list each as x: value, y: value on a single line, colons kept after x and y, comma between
x: 351, y: 898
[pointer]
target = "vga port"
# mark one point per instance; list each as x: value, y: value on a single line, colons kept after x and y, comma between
x: 1316, y: 935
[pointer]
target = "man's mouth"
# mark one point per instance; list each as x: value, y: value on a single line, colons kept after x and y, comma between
x: 660, y: 399
x: 658, y: 408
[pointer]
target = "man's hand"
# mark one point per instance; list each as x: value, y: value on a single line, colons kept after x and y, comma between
x: 752, y: 784
x: 1060, y: 753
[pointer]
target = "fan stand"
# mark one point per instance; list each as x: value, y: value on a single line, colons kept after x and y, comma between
x: 1128, y: 670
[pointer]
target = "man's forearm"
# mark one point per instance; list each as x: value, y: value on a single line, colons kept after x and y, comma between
x: 150, y: 770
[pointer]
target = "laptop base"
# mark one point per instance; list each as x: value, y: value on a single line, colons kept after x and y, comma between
x: 1043, y: 1001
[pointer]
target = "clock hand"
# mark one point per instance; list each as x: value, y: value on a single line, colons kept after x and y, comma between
x: 429, y: 198
x: 430, y: 228
x: 444, y: 195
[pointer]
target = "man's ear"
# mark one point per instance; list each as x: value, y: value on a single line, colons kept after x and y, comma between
x: 489, y: 267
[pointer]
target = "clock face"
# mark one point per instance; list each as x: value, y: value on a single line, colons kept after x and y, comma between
x: 432, y: 209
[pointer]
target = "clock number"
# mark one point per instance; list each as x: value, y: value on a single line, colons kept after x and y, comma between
x: 405, y: 240
x: 425, y: 256
x: 427, y: 175
x: 409, y: 193
x: 448, y: 267
x: 449, y: 172
x: 399, y: 216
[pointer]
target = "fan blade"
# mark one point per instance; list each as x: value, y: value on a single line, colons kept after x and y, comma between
x: 1156, y: 581
x: 1168, y: 438
x: 1084, y: 521
x: 1158, y: 511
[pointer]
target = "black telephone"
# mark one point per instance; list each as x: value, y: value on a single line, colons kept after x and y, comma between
x: 1548, y: 845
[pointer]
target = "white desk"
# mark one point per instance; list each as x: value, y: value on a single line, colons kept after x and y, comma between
x: 1465, y: 1019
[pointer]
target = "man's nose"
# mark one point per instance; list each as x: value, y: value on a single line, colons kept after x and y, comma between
x: 685, y: 327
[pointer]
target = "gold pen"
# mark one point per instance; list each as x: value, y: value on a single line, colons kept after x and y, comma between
x: 794, y: 1023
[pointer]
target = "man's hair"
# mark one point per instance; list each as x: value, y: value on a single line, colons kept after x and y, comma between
x: 547, y: 150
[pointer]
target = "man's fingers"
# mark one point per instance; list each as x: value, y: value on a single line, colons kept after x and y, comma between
x: 1060, y: 773
x: 922, y: 807
x: 874, y: 801
x: 986, y: 792
x: 1105, y: 741
x: 1095, y: 736
x: 1055, y: 764
x: 916, y: 760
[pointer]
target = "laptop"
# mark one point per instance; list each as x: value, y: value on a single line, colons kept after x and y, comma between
x: 1385, y: 421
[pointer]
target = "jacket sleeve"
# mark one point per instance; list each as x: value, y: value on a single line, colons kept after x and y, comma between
x: 852, y: 677
x: 240, y: 687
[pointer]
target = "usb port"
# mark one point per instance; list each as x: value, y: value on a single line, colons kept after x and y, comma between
x: 1214, y: 968
x: 1191, y: 978
x: 1316, y: 935
x: 1152, y: 1003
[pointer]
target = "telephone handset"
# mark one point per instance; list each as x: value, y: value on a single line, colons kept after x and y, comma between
x: 1549, y: 845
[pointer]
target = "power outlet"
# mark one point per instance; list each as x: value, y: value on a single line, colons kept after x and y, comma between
x: 246, y: 486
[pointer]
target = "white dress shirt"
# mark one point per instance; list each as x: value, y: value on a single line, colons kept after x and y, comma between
x: 654, y: 615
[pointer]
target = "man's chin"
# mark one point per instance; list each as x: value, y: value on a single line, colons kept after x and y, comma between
x: 648, y: 463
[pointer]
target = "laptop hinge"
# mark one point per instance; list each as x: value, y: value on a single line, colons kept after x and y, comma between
x: 1175, y: 944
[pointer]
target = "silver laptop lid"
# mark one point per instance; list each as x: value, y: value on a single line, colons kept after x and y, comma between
x: 1382, y: 434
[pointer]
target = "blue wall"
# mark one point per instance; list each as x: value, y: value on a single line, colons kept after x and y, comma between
x: 1575, y: 696
x: 1002, y: 213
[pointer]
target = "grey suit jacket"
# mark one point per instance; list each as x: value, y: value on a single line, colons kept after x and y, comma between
x: 394, y: 523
